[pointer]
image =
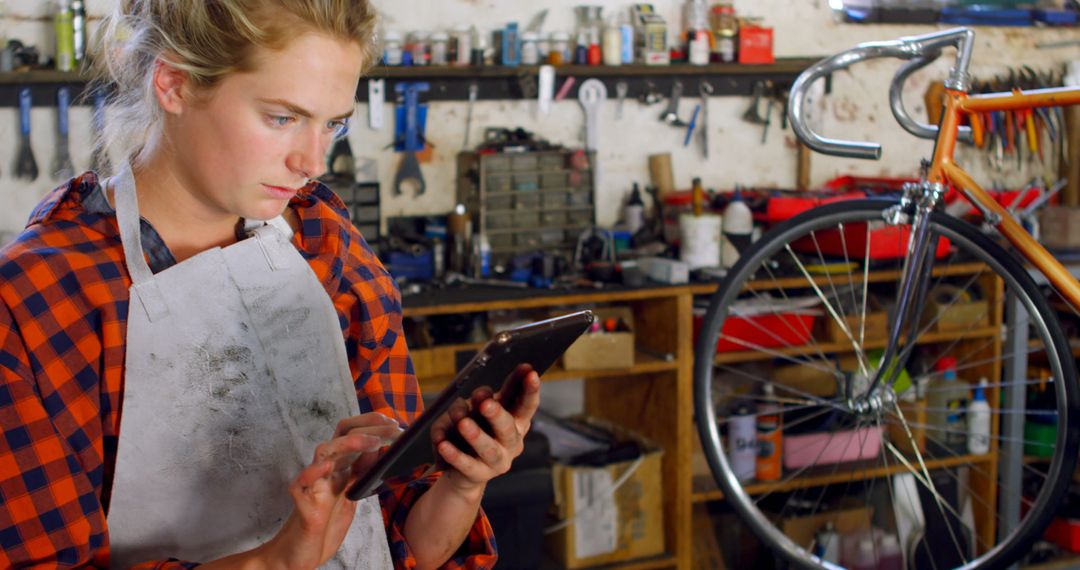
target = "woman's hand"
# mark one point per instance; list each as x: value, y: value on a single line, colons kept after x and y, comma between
x: 323, y: 514
x: 510, y: 421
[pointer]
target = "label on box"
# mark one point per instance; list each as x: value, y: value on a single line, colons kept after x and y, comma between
x: 595, y: 524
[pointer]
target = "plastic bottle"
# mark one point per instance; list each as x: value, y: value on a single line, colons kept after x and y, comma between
x: 463, y: 43
x: 889, y: 555
x: 530, y: 48
x: 78, y: 30
x: 865, y: 555
x: 978, y: 416
x: 626, y: 37
x: 738, y: 231
x: 947, y: 402
x: 697, y: 32
x: 392, y: 49
x: 560, y: 48
x: 634, y: 212
x: 827, y: 543
x: 65, y: 37
x: 440, y: 44
x: 612, y: 48
x: 770, y: 435
x: 742, y: 439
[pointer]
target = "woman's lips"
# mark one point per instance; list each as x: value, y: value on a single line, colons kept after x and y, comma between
x: 280, y: 192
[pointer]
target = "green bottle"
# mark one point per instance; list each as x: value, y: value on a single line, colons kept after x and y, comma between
x: 65, y: 37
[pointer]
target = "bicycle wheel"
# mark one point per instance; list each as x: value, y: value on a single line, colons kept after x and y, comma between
x: 793, y: 315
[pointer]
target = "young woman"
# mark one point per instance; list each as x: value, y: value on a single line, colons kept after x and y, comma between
x: 200, y: 353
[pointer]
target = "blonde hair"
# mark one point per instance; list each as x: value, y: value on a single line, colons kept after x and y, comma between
x: 207, y: 39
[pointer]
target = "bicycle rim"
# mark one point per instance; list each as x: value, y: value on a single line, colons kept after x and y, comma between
x: 854, y: 445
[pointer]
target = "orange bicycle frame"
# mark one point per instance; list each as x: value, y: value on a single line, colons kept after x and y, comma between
x: 944, y: 170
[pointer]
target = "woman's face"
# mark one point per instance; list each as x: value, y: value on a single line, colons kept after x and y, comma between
x: 252, y: 142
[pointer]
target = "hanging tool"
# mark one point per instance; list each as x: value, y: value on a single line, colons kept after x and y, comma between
x: 671, y: 113
x: 376, y: 102
x: 474, y: 90
x: 705, y: 89
x: 25, y: 166
x: 621, y: 89
x: 651, y: 95
x: 411, y: 118
x: 761, y: 90
x: 546, y: 90
x: 592, y: 95
x: 99, y: 156
x: 693, y: 123
x: 62, y: 167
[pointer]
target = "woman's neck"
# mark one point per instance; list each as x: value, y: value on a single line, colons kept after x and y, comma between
x: 185, y: 221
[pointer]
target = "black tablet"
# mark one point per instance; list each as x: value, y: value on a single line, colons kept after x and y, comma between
x: 538, y: 345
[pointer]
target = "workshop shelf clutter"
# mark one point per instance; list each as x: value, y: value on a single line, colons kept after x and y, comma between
x: 512, y: 225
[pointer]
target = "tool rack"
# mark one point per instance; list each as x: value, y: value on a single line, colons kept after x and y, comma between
x: 495, y: 82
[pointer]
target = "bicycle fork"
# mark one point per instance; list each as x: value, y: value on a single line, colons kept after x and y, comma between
x: 919, y: 201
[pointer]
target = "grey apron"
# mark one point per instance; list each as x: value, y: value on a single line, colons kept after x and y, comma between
x: 235, y: 371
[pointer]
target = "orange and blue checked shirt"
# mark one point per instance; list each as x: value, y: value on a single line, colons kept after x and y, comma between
x: 63, y: 321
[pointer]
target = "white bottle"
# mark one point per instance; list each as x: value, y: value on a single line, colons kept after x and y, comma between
x: 634, y: 212
x: 737, y: 233
x: 978, y: 416
x: 612, y: 46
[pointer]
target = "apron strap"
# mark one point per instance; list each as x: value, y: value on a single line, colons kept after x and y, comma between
x: 127, y: 216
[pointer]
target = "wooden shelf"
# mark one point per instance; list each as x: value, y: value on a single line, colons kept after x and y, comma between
x: 846, y: 348
x: 651, y: 563
x: 705, y: 488
x: 643, y: 364
x: 494, y: 82
x: 887, y: 276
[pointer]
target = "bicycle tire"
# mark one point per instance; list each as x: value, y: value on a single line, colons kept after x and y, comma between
x: 1014, y: 278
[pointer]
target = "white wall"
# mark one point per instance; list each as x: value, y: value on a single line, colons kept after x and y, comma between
x: 858, y: 108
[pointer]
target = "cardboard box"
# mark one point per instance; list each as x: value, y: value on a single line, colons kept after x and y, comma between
x: 915, y: 416
x: 1059, y: 227
x: 597, y: 351
x: 609, y: 527
x: 805, y: 380
x: 959, y: 316
x: 650, y: 36
x: 876, y: 327
x: 442, y: 360
x: 756, y: 45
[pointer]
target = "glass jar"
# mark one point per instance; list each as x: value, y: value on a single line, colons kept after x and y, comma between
x: 392, y: 50
x: 560, y: 48
x: 530, y: 48
x: 440, y: 42
x: 463, y: 41
x: 725, y: 27
x: 420, y: 49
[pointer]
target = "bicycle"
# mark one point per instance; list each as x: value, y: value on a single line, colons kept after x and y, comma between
x: 906, y: 456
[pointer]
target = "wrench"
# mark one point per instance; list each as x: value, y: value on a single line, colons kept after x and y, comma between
x: 474, y: 90
x: 591, y: 95
x: 62, y: 167
x: 410, y: 166
x: 621, y: 88
x: 99, y: 157
x: 25, y: 166
x: 671, y: 113
x: 705, y: 89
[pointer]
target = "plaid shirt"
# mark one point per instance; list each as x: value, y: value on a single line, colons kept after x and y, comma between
x: 63, y: 321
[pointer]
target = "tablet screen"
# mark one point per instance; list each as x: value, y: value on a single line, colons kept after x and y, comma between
x: 538, y: 345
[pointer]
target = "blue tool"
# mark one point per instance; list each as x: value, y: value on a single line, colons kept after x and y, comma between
x: 409, y: 139
x: 690, y: 127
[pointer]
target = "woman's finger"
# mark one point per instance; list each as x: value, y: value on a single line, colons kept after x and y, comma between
x: 363, y: 420
x: 503, y: 426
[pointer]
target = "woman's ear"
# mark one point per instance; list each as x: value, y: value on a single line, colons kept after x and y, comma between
x: 170, y: 86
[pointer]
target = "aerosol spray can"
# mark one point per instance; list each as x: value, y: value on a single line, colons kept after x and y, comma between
x: 742, y: 441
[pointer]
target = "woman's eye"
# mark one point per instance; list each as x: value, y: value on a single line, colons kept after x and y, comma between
x: 338, y: 128
x: 280, y: 120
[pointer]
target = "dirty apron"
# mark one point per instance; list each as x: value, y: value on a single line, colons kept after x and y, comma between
x: 235, y: 371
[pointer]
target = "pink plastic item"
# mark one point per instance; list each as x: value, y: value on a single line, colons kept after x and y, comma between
x: 831, y: 447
